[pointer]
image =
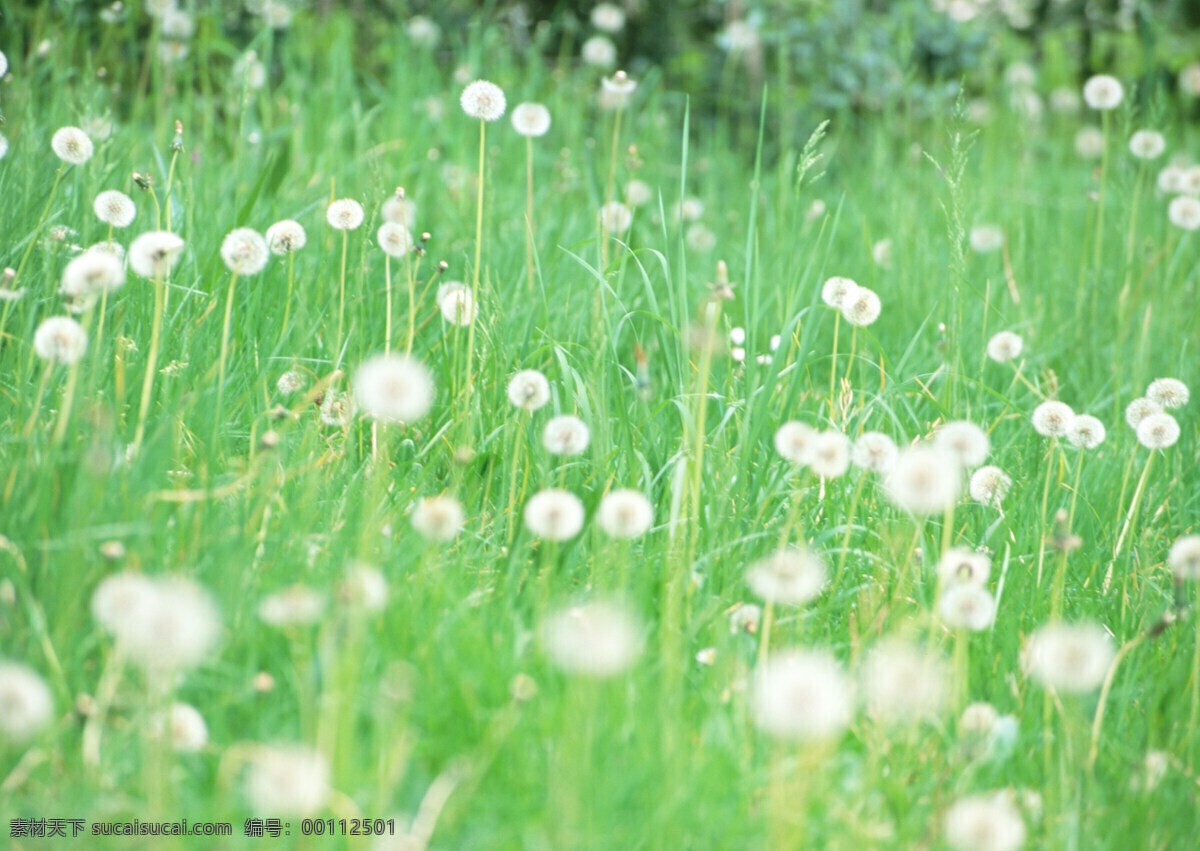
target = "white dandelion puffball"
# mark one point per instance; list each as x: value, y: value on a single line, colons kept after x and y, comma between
x: 737, y: 335
x: 3, y: 146
x: 862, y: 308
x: 1184, y: 557
x: 60, y: 339
x: 874, y: 452
x: 364, y: 589
x: 977, y: 719
x: 794, y: 441
x: 393, y: 388
x: 1168, y: 392
x: 244, y: 251
x: 531, y: 119
x: 119, y: 595
x: 1005, y: 346
x: 903, y: 682
x: 286, y: 236
x: 1103, y: 92
x: 438, y: 518
x: 72, y: 145
x: 457, y: 307
x: 423, y: 31
x: 985, y: 239
x: 836, y: 291
x: 162, y: 624
x: 984, y: 823
x: 620, y: 85
x: 183, y: 726
x: 565, y: 435
x: 961, y: 566
x: 1172, y: 180
x: 398, y: 209
x: 599, y: 52
x: 344, y: 214
x: 1086, y: 432
x: 154, y: 254
x: 290, y: 780
x: 1070, y: 657
x: 529, y: 389
x: 745, y: 618
x: 789, y: 576
x: 3, y: 64
x: 615, y: 217
x: 608, y: 17
x: 114, y: 208
x: 595, y: 639
x: 26, y: 704
x: 554, y: 514
x: 1139, y: 409
x: 1147, y: 144
x: 1158, y: 431
x: 829, y: 454
x: 699, y: 238
x: 290, y: 382
x: 1184, y: 212
x: 1189, y: 79
x: 394, y: 239
x: 989, y: 485
x: 625, y: 513
x: 483, y: 100
x: 965, y: 441
x: 967, y: 606
x: 1089, y: 142
x: 803, y: 695
x: 91, y: 274
x: 924, y: 480
x: 296, y: 605
x: 1052, y: 419
x: 690, y: 209
x: 637, y: 193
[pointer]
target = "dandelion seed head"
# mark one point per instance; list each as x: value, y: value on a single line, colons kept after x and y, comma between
x: 1168, y: 392
x: 457, y: 306
x: 977, y: 720
x: 625, y: 513
x: 399, y: 209
x: 290, y: 382
x: 344, y: 214
x: 1052, y: 418
x: 72, y: 145
x: 1139, y: 409
x: 1086, y: 432
x: 802, y: 695
x: 1184, y: 212
x: 183, y: 726
x: 3, y: 64
x: 394, y: 239
x: 529, y: 389
x: 244, y: 251
x: 1158, y: 431
x: 637, y: 193
x: 881, y: 253
x: 423, y: 31
x: 790, y: 576
x: 874, y: 452
x: 924, y: 480
x: 959, y: 565
x: 596, y: 639
x: 737, y: 335
x: 438, y: 518
x: 699, y: 238
x: 60, y: 339
x: 337, y: 409
x: 903, y: 682
x: 1067, y: 657
x: 1172, y: 179
x: 531, y: 119
x: 296, y: 605
x: 286, y: 236
x: 837, y: 291
x: 967, y: 606
x: 565, y: 435
x: 554, y: 514
x: 287, y: 780
x: 163, y: 625
x: 599, y: 52
x: 26, y: 705
x: 608, y: 17
x: 1089, y: 142
x: 1184, y: 558
x: 794, y: 441
x: 984, y: 823
x: 114, y: 208
x: 1147, y: 144
x: 1103, y: 92
x: 154, y: 254
x: 985, y: 239
x: 862, y: 308
x: 3, y: 146
x: 829, y: 454
x: 965, y: 441
x: 364, y: 589
x: 745, y: 618
x: 393, y: 388
x: 615, y: 218
x: 89, y: 275
x: 619, y: 84
x: 483, y: 100
x: 989, y: 485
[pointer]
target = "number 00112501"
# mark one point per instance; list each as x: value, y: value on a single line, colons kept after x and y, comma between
x: 348, y: 827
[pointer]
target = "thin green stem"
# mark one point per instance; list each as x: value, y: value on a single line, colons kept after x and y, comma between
x: 160, y: 286
x: 470, y: 382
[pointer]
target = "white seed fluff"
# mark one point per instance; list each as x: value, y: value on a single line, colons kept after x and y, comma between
x: 1086, y: 432
x: 1139, y: 409
x: 289, y: 780
x: 1158, y: 431
x: 615, y: 218
x: 554, y: 514
x: 985, y: 239
x: 1103, y: 92
x: 959, y: 565
x: 1168, y: 392
x: 244, y: 251
x: 965, y: 441
x: 862, y: 308
x: 1184, y: 212
x: 967, y: 606
x: 829, y: 455
x: 1089, y: 142
x: 596, y: 639
x: 984, y: 823
x: 529, y: 389
x: 394, y: 239
x: 183, y: 726
x: 173, y: 624
x: 599, y: 52
x: 393, y: 388
x: 625, y: 513
x: 924, y: 480
x: 457, y: 307
x: 874, y: 452
x: 608, y: 17
x: 794, y: 441
x: 483, y: 100
x: 114, y: 208
x: 1052, y: 418
x: 91, y: 274
x: 837, y: 291
x: 802, y: 695
x: 344, y: 214
x: 286, y: 236
x: 60, y: 339
x: 565, y: 435
x: 296, y: 605
x: 531, y: 119
x: 789, y: 576
x: 1004, y: 346
x: 1070, y: 657
x: 154, y: 254
x: 72, y: 145
x: 438, y: 518
x: 26, y: 704
x: 1184, y: 557
x: 989, y: 485
x: 1147, y: 144
x: 903, y: 682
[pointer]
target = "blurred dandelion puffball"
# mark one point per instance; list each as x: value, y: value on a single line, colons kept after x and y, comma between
x: 977, y: 719
x: 60, y: 339
x: 483, y: 100
x: 3, y: 64
x: 608, y: 17
x: 1147, y: 144
x: 829, y: 454
x: 596, y: 639
x: 400, y: 210
x: 985, y: 239
x: 529, y: 390
x: 967, y: 606
x: 244, y: 251
x: 531, y: 119
x: 393, y: 388
x: 836, y: 292
x: 802, y: 695
x: 959, y: 565
x: 1139, y: 409
x: 290, y: 382
x: 1070, y: 657
x: 1172, y: 179
x: 625, y: 513
x: 637, y: 193
x: 565, y: 435
x: 904, y: 682
x: 296, y: 605
x: 72, y: 145
x: 364, y: 589
x: 984, y: 823
x: 1168, y: 392
x: 1086, y: 432
x: 3, y: 146
x: 1158, y: 431
x: 438, y: 518
x: 457, y: 306
x: 1184, y: 558
x: 1184, y: 212
x: 287, y: 780
x: 114, y: 208
x: 394, y: 239
x: 344, y: 214
x: 1103, y: 92
x: 794, y: 441
x: 423, y: 31
x: 599, y: 52
x: 554, y: 514
x: 1052, y: 419
x: 89, y: 275
x: 862, y: 308
x: 615, y: 217
x: 26, y: 704
x: 924, y: 480
x: 789, y: 576
x: 619, y: 84
x: 965, y: 441
x: 989, y: 485
x: 183, y: 727
x: 286, y: 236
x: 154, y: 254
x: 874, y: 452
x: 1089, y: 142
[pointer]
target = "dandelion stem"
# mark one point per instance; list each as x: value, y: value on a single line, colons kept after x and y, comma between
x: 845, y: 549
x: 764, y: 639
x: 37, y: 400
x: 1051, y: 462
x: 221, y: 362
x: 64, y: 410
x: 529, y: 209
x: 1133, y: 507
x: 608, y: 191
x: 1098, y: 718
x: 470, y: 384
x: 287, y: 304
x: 833, y: 366
x: 387, y: 277
x: 342, y: 297
x: 160, y: 287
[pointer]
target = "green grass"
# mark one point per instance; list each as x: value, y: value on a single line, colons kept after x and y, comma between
x: 665, y: 755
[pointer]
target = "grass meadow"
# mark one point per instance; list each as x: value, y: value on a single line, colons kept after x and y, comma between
x: 235, y: 581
